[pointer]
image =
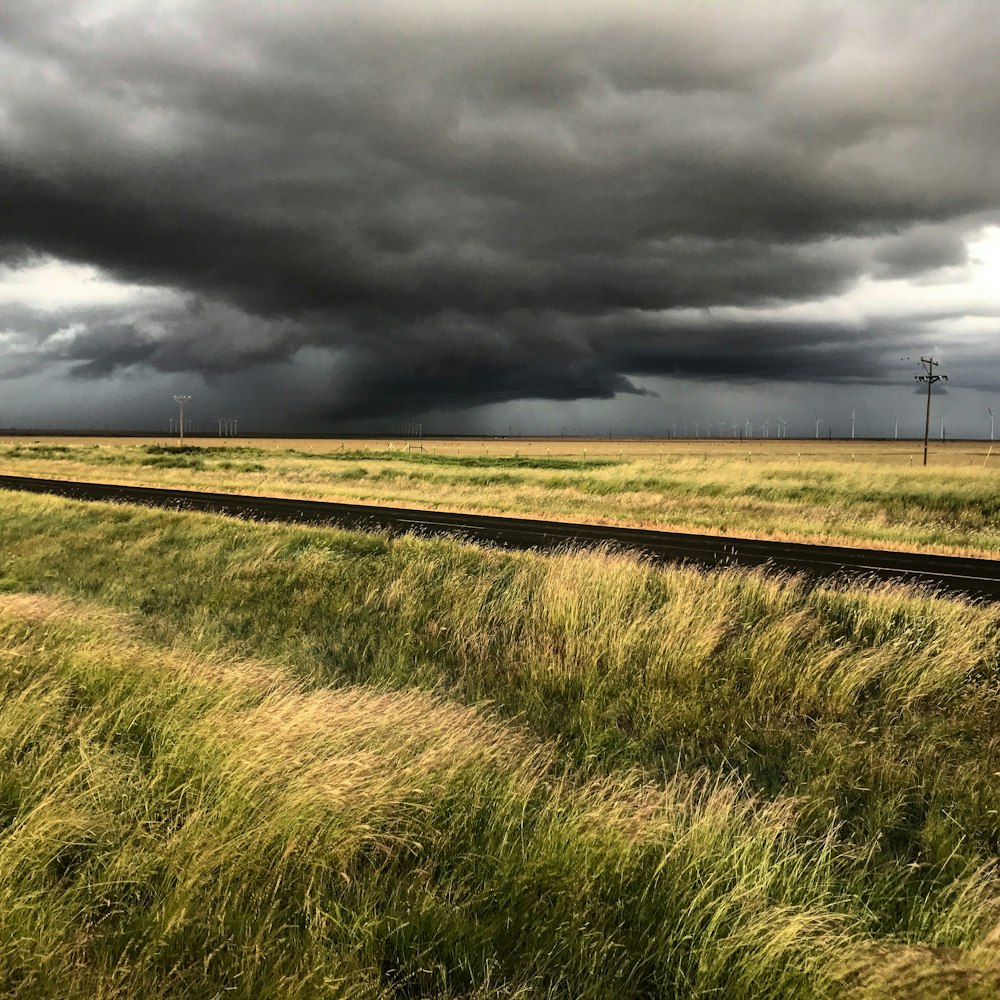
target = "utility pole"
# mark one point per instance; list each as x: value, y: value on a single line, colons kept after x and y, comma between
x: 180, y: 401
x: 930, y: 378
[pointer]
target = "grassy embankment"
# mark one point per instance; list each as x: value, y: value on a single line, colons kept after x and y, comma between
x: 246, y: 760
x: 822, y: 497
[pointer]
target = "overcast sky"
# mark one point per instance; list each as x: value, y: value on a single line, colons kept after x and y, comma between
x: 592, y: 216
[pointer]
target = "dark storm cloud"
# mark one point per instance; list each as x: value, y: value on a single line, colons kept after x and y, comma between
x: 467, y: 204
x: 556, y: 357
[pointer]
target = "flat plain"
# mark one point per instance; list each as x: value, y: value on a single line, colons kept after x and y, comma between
x: 248, y: 760
x: 864, y: 493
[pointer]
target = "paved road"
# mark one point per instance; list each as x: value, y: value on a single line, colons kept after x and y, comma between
x: 978, y: 578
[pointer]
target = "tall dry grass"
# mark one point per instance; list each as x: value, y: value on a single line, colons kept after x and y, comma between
x: 180, y: 827
x: 861, y: 723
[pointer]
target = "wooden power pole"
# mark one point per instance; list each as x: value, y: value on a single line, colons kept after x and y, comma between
x: 930, y: 378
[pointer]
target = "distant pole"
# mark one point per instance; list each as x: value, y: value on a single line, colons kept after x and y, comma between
x: 180, y: 401
x: 930, y: 378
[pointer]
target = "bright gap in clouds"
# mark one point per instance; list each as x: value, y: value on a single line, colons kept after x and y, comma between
x: 52, y: 285
x: 975, y: 297
x: 984, y: 254
x: 967, y: 295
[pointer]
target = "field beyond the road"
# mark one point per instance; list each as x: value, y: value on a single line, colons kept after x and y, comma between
x: 861, y: 493
x: 254, y: 760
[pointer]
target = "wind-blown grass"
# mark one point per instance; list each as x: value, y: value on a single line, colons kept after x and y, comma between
x: 176, y: 826
x: 829, y: 755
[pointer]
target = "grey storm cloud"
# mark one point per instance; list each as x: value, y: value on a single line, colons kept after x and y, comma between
x: 466, y: 203
x: 919, y: 251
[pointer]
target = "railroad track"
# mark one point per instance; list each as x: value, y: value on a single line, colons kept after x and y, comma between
x: 978, y: 578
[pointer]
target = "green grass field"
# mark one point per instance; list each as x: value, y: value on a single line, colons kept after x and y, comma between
x: 856, y: 493
x: 265, y: 761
